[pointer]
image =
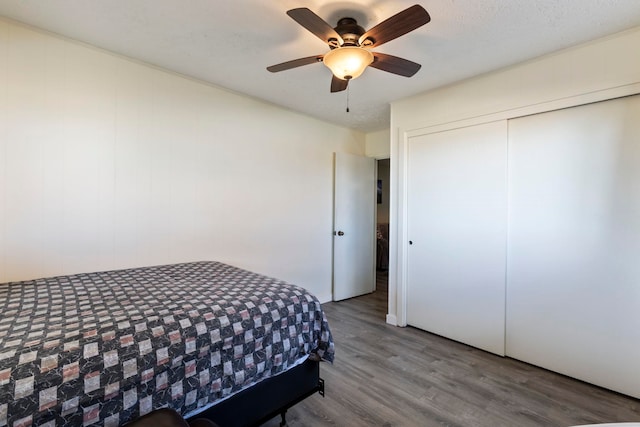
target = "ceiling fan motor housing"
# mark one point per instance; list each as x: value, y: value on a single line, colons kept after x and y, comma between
x: 350, y: 31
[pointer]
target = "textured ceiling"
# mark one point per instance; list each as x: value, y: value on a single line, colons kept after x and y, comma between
x: 230, y: 42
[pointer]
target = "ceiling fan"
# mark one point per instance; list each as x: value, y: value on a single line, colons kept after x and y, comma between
x: 350, y: 45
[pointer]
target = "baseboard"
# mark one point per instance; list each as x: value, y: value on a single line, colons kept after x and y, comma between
x: 392, y: 320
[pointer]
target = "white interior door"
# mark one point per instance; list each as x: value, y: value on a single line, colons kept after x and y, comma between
x: 354, y: 228
x: 574, y: 242
x: 457, y: 234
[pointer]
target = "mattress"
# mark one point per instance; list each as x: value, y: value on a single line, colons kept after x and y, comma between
x: 104, y: 348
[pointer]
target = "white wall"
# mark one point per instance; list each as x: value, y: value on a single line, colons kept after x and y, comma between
x: 108, y: 163
x: 377, y: 144
x: 599, y: 70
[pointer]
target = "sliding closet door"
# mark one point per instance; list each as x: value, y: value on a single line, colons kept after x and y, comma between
x: 456, y: 224
x: 573, y: 293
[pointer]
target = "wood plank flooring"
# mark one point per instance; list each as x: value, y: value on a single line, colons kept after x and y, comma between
x: 389, y: 376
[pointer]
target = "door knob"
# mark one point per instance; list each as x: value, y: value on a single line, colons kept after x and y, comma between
x: 340, y: 233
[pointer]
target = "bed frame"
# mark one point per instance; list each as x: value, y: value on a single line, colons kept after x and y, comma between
x: 268, y: 398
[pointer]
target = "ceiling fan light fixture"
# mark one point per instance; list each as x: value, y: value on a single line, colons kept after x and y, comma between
x: 347, y: 62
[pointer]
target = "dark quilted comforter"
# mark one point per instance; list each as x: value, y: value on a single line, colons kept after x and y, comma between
x: 103, y: 348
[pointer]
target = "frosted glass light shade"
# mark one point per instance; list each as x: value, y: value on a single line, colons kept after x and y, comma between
x: 347, y: 62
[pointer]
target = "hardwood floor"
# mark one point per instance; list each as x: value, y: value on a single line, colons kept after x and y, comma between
x: 389, y: 376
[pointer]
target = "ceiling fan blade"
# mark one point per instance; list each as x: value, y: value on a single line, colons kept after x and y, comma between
x: 338, y: 85
x: 295, y: 63
x: 316, y: 25
x: 394, y: 64
x: 396, y: 26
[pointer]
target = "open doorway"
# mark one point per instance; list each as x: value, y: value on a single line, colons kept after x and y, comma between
x: 382, y: 226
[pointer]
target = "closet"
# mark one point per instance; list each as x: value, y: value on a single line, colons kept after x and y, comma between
x: 526, y: 239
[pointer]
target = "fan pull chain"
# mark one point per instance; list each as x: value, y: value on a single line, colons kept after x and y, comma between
x: 347, y: 99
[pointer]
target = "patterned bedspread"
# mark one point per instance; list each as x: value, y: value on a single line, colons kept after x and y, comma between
x: 104, y: 348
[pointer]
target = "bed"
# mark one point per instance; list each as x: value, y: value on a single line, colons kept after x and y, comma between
x: 202, y: 338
